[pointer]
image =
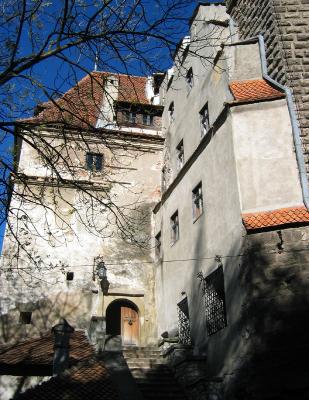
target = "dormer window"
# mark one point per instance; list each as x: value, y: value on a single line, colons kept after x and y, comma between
x: 130, y: 117
x: 94, y: 162
x: 171, y: 111
x: 147, y: 119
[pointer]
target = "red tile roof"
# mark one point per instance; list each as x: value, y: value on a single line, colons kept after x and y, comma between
x: 87, y: 380
x: 80, y: 106
x: 40, y: 351
x: 254, y: 90
x: 283, y: 216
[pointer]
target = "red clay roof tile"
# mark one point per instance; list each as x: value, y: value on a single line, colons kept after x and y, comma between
x: 253, y: 90
x: 40, y: 351
x: 80, y: 106
x: 283, y: 216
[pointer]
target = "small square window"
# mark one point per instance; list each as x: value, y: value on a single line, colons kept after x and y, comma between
x: 25, y: 317
x: 158, y: 246
x: 174, y: 228
x: 171, y: 111
x: 94, y: 162
x: 197, y: 201
x: 189, y: 79
x: 147, y: 119
x: 130, y: 117
x: 204, y: 120
x: 70, y: 276
x: 180, y: 155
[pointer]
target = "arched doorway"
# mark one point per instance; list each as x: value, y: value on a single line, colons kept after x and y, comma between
x: 122, y: 319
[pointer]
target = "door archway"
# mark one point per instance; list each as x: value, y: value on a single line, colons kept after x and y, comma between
x: 122, y: 318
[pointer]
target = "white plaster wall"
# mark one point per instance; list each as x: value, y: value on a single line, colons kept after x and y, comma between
x: 265, y: 157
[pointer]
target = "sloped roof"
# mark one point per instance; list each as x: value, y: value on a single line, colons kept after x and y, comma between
x: 87, y: 380
x: 80, y: 106
x: 254, y: 90
x: 40, y: 351
x: 275, y: 218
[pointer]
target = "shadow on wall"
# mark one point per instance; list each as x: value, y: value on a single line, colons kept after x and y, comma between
x: 274, y: 322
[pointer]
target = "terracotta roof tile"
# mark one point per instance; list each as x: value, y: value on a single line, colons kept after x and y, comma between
x: 283, y: 216
x: 80, y: 106
x: 253, y: 90
x: 40, y: 351
x: 87, y: 380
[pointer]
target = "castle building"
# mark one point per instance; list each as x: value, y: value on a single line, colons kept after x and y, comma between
x: 207, y: 160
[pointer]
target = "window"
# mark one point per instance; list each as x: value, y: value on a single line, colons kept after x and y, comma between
x: 174, y: 228
x: 147, y: 119
x: 204, y: 120
x: 197, y: 201
x: 130, y: 117
x: 215, y: 301
x: 184, y: 322
x: 189, y: 79
x: 70, y: 276
x: 171, y: 111
x: 163, y: 179
x: 25, y: 317
x: 180, y: 155
x: 94, y: 161
x: 158, y: 246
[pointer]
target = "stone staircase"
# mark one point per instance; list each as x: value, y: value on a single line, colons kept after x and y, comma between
x: 153, y: 377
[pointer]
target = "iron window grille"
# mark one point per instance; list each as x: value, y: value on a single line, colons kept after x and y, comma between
x: 215, y: 301
x: 184, y: 322
x: 180, y: 155
x: 94, y: 162
x: 158, y: 246
x: 197, y: 201
x: 189, y: 79
x: 204, y: 120
x: 171, y: 112
x: 174, y: 228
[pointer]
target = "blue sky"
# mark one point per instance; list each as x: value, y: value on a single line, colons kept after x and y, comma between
x: 53, y: 73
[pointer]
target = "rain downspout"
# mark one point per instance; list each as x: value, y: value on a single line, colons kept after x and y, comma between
x: 295, y: 128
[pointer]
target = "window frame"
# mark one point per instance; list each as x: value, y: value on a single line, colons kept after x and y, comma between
x: 93, y: 165
x: 197, y: 201
x: 204, y: 117
x: 180, y: 151
x: 174, y: 223
x: 147, y: 119
x: 171, y: 112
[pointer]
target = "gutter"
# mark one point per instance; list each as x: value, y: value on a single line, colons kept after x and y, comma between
x: 294, y: 121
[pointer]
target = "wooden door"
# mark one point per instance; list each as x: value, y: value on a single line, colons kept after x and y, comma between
x: 129, y: 326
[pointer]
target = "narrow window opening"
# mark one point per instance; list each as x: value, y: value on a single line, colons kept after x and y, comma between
x: 174, y: 228
x: 171, y: 112
x: 180, y: 155
x: 197, y: 201
x: 189, y: 79
x: 204, y: 120
x: 25, y: 317
x: 158, y: 246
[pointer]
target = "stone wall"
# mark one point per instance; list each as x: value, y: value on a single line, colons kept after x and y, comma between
x: 285, y: 27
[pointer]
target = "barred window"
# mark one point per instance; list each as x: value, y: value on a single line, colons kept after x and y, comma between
x: 215, y: 301
x: 184, y: 322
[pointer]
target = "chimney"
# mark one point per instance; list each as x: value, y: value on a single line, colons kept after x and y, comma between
x: 62, y: 333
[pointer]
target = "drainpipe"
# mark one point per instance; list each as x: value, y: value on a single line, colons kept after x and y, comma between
x: 295, y: 128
